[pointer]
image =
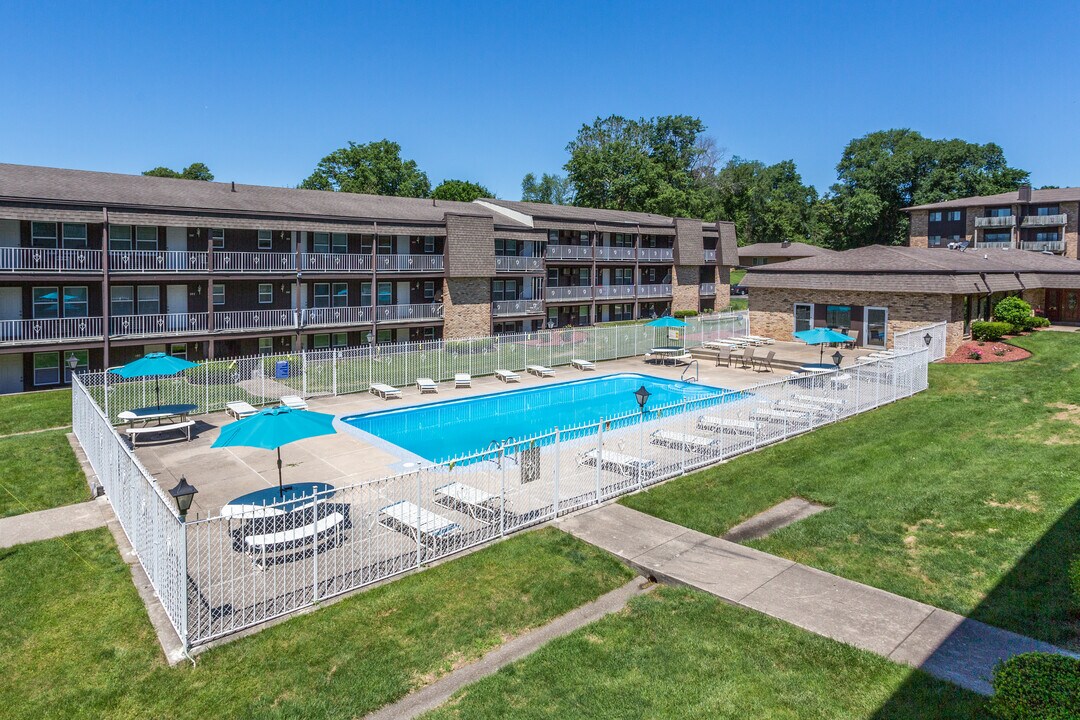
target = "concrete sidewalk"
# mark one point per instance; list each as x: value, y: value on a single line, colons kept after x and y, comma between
x: 944, y: 644
x: 52, y: 523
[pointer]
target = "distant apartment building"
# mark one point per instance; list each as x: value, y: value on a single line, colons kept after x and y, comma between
x: 759, y: 254
x: 1035, y: 220
x: 102, y: 268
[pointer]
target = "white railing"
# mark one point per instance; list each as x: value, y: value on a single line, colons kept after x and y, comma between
x: 568, y: 252
x: 409, y: 263
x: 409, y: 313
x: 155, y: 261
x: 518, y: 263
x: 1044, y: 220
x: 1054, y: 246
x: 330, y: 316
x: 581, y: 292
x: 603, y: 252
x: 504, y: 308
x: 998, y: 221
x: 49, y: 260
x: 163, y: 324
x: 710, y: 256
x: 916, y: 339
x: 236, y: 320
x: 49, y: 330
x: 707, y: 289
x: 335, y: 262
x: 655, y: 254
x: 653, y: 291
x: 237, y: 261
x: 614, y: 292
x: 994, y: 244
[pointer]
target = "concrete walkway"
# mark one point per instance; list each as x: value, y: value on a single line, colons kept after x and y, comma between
x: 438, y: 692
x: 52, y: 523
x: 944, y: 644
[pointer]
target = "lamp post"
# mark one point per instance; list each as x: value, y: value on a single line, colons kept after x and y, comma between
x: 642, y: 394
x: 837, y: 358
x: 183, y: 494
x: 73, y: 362
x: 928, y: 338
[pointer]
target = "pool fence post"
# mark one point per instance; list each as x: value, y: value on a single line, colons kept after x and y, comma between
x: 557, y: 442
x: 640, y: 446
x: 206, y: 385
x: 599, y: 456
x: 184, y: 583
x: 315, y: 573
x: 419, y: 496
x: 333, y: 370
x: 686, y: 448
x: 502, y: 489
x: 303, y: 372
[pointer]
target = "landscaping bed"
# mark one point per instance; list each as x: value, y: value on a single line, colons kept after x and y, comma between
x: 980, y: 353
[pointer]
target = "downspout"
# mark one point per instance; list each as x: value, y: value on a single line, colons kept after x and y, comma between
x: 106, y: 307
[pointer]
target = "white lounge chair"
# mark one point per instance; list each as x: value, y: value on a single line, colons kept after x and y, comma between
x: 541, y: 371
x: 240, y: 409
x: 296, y: 537
x: 811, y: 408
x: 823, y: 401
x: 136, y: 432
x: 582, y: 364
x: 679, y: 440
x: 779, y: 416
x: 462, y: 380
x: 472, y: 501
x: 760, y: 339
x: 385, y: 391
x: 426, y: 385
x: 618, y: 463
x: 507, y: 377
x: 294, y: 401
x: 727, y: 425
x: 414, y: 521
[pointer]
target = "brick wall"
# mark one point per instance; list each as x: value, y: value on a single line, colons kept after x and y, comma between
x: 466, y: 307
x: 723, y: 287
x: 685, y: 288
x: 969, y: 222
x: 1070, y: 236
x: 917, y: 231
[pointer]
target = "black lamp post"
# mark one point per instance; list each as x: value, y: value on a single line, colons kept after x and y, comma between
x: 837, y: 358
x: 642, y: 395
x: 73, y: 362
x: 928, y: 338
x: 183, y: 494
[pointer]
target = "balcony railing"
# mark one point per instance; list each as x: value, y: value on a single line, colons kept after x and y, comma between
x: 517, y: 263
x: 409, y: 313
x: 995, y: 244
x: 1054, y: 246
x: 235, y: 261
x: 155, y: 261
x: 49, y: 330
x: 555, y: 294
x: 568, y: 252
x: 655, y: 254
x: 335, y: 262
x: 707, y: 289
x: 14, y: 259
x: 710, y: 256
x: 613, y: 292
x: 999, y: 221
x: 333, y: 316
x: 409, y: 263
x: 504, y: 308
x: 152, y: 325
x: 1044, y: 220
x: 615, y: 253
x: 238, y: 320
x: 653, y: 291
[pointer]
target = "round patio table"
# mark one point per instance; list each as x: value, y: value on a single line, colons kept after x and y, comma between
x: 818, y: 367
x: 256, y: 504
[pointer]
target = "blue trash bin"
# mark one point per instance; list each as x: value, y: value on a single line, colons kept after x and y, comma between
x: 281, y: 370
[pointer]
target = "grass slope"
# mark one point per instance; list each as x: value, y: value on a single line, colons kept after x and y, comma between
x: 26, y: 412
x: 964, y: 496
x: 77, y: 642
x: 39, y: 471
x: 682, y: 654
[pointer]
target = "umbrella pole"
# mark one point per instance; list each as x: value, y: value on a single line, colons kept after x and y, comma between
x: 280, y: 489
x: 157, y: 392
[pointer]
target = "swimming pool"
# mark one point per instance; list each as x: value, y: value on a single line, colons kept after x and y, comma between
x: 453, y: 428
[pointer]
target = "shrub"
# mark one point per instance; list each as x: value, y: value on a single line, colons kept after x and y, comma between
x: 1037, y: 685
x: 1014, y: 311
x: 974, y: 354
x: 1040, y: 322
x: 992, y: 331
x: 999, y: 350
x: 685, y: 313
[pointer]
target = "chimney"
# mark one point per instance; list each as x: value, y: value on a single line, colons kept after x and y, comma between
x: 234, y: 186
x: 1025, y: 193
x: 785, y: 243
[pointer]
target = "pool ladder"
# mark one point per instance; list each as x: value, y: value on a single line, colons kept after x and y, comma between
x: 697, y: 370
x: 498, y: 445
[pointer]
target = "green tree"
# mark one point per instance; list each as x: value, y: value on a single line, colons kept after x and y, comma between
x: 194, y: 171
x: 375, y: 168
x: 549, y: 189
x: 460, y: 190
x: 767, y: 203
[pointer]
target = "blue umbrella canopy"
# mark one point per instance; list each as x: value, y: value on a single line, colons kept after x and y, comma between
x: 820, y: 336
x: 154, y: 365
x: 666, y: 322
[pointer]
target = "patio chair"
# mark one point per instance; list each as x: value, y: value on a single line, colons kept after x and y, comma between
x: 780, y: 416
x: 294, y: 401
x: 240, y: 409
x: 541, y: 371
x: 507, y: 377
x: 468, y: 500
x: 385, y: 391
x: 727, y: 425
x: 619, y: 463
x: 418, y: 523
x: 723, y: 355
x: 854, y: 340
x: 260, y: 545
x: 425, y: 385
x: 462, y: 380
x: 764, y: 363
x: 748, y: 358
x: 684, y: 359
x: 679, y: 441
x: 582, y: 364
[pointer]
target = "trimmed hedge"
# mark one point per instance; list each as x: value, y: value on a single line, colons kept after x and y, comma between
x: 685, y: 313
x: 1037, y: 685
x: 990, y: 331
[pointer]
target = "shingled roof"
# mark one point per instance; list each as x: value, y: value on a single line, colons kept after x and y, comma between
x: 1050, y: 195
x: 575, y: 214
x: 788, y: 250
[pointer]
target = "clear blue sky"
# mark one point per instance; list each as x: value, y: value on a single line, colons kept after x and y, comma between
x: 488, y: 91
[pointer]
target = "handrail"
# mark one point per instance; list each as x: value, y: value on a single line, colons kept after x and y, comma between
x: 697, y: 371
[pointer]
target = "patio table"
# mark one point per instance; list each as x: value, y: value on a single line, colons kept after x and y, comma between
x: 667, y: 353
x: 818, y: 367
x: 257, y: 504
x: 160, y: 413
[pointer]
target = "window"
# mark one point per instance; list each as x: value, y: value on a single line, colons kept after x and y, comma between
x: 999, y: 212
x: 46, y: 303
x: 429, y: 333
x: 429, y: 244
x: 75, y: 237
x: 217, y: 238
x: 266, y: 346
x: 503, y: 289
x: 320, y: 242
x: 146, y: 237
x: 83, y: 364
x: 122, y: 300
x: 340, y: 243
x: 47, y: 368
x: 583, y: 315
x: 321, y: 297
x: 429, y: 290
x: 384, y: 336
x: 508, y: 248
x: 386, y: 293
x: 838, y: 316
x: 1048, y: 236
x: 320, y: 342
x: 953, y: 216
x: 934, y: 241
x: 43, y: 234
x: 386, y: 245
x: 804, y: 316
x: 76, y: 303
x: 934, y: 216
x: 341, y: 340
x: 219, y: 294
x: 997, y: 237
x: 553, y: 237
x: 120, y: 237
x: 148, y: 299
x: 755, y: 262
x: 178, y: 350
x: 266, y: 240
x: 1046, y: 210
x: 876, y: 326
x: 341, y: 294
x: 624, y: 276
x: 266, y: 293
x: 365, y: 294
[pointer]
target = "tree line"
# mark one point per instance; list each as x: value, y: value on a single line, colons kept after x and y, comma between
x: 668, y: 165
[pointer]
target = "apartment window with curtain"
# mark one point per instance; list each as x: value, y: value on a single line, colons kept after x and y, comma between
x: 266, y: 240
x: 217, y: 238
x: 429, y: 244
x: 120, y: 237
x: 1049, y: 236
x: 1046, y: 210
x: 386, y: 293
x: 43, y: 234
x: 365, y: 294
x: 122, y: 300
x: 429, y: 290
x: 75, y: 237
x: 148, y: 300
x: 146, y: 237
x: 999, y: 212
x: 341, y: 294
x: 266, y: 293
x: 219, y: 294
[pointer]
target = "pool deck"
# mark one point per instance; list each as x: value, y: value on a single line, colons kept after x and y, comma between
x: 221, y: 474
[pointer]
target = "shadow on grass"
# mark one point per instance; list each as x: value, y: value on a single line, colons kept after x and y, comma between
x: 1036, y: 588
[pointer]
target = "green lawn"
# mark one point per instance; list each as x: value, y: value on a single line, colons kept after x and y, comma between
x: 737, y: 276
x: 77, y: 643
x: 682, y: 654
x: 39, y: 471
x: 34, y: 411
x: 965, y: 496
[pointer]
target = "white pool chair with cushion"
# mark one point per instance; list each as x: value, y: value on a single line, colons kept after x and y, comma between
x: 294, y: 401
x: 240, y: 409
x: 582, y: 364
x: 462, y: 380
x: 507, y: 377
x: 416, y: 522
x: 678, y: 440
x: 760, y: 339
x: 385, y: 391
x: 780, y: 416
x: 727, y: 425
x: 619, y: 463
x: 471, y: 501
x: 541, y: 371
x: 425, y: 385
x: 259, y: 545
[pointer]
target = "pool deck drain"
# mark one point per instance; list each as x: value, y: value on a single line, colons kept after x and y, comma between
x: 769, y: 521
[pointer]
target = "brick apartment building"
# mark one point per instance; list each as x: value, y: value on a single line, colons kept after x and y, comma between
x: 105, y: 267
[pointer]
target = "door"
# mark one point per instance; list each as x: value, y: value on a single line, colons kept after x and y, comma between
x: 176, y: 297
x: 1065, y: 307
x: 176, y: 243
x: 875, y: 327
x: 11, y: 373
x: 804, y: 316
x: 404, y: 296
x: 10, y: 309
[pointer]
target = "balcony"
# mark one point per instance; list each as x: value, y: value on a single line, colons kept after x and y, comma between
x: 518, y: 264
x: 509, y: 308
x: 337, y: 316
x: 614, y: 292
x: 707, y: 289
x: 1000, y: 221
x: 568, y: 252
x: 157, y: 261
x: 409, y: 263
x: 615, y: 253
x: 655, y: 254
x: 994, y: 244
x: 1044, y: 220
x: 409, y: 313
x: 17, y: 259
x: 157, y: 325
x: 653, y: 291
x: 49, y: 330
x: 1054, y: 246
x: 566, y: 294
x: 244, y: 320
x: 710, y: 256
x: 269, y: 262
x: 335, y: 262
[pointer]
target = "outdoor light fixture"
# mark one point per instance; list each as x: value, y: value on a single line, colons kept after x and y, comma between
x: 642, y: 394
x: 183, y: 494
x: 73, y: 362
x: 836, y: 358
x: 551, y: 324
x: 928, y: 338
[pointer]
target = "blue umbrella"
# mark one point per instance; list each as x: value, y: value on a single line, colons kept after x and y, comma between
x: 666, y: 322
x: 271, y: 428
x: 822, y: 336
x: 155, y: 365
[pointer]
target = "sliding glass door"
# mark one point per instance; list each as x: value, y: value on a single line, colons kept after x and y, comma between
x: 876, y: 324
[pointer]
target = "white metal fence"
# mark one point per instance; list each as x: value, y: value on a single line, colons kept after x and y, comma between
x: 916, y: 338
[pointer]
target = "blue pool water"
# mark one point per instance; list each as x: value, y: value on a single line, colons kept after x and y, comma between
x: 453, y: 428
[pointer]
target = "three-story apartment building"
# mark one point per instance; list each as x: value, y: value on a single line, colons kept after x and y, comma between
x: 104, y: 267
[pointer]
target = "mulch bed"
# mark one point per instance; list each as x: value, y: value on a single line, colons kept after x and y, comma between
x: 988, y: 352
